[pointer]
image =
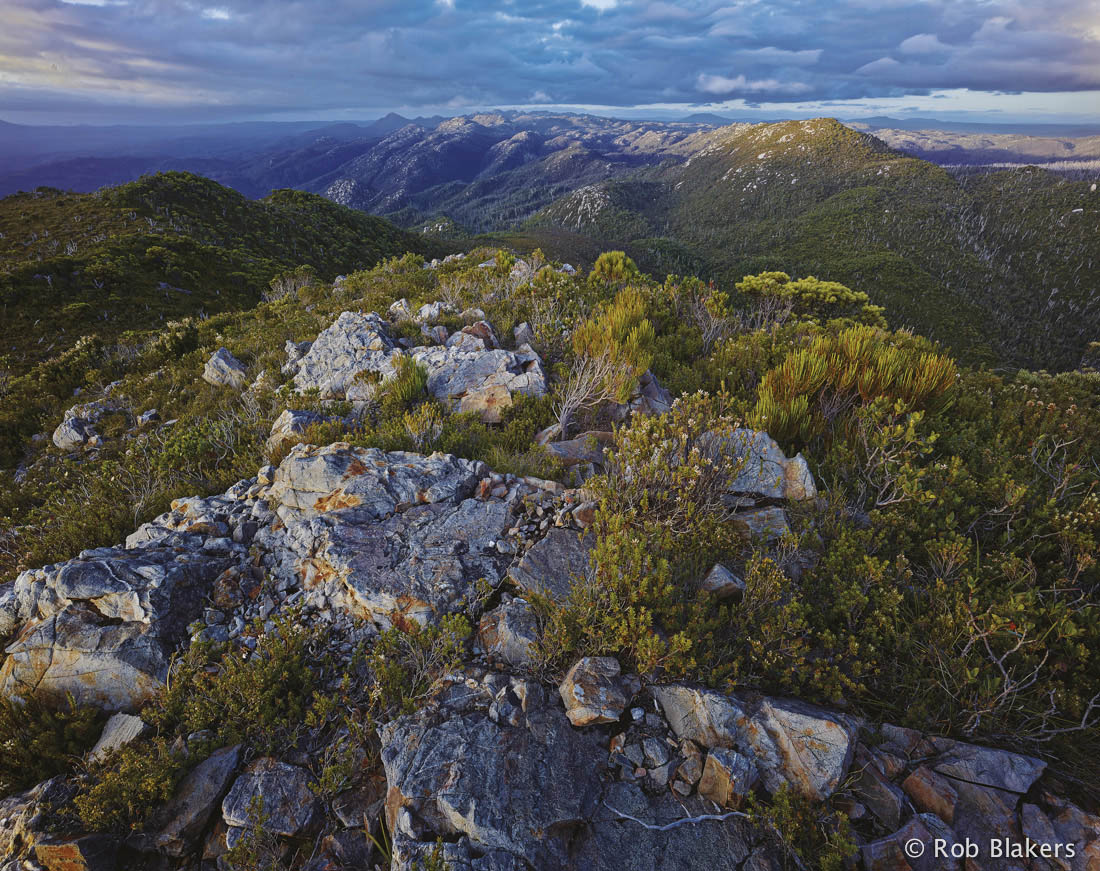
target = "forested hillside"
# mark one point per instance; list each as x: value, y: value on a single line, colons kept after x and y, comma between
x: 1002, y: 267
x: 79, y: 271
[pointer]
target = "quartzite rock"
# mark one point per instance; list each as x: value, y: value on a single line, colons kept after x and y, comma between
x: 552, y: 563
x: 225, y: 370
x: 355, y: 343
x: 593, y: 692
x: 288, y: 803
x: 790, y: 741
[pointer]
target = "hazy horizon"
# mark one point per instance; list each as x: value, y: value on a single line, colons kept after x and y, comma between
x: 157, y: 62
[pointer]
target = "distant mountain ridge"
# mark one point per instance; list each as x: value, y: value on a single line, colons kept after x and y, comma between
x: 1002, y: 267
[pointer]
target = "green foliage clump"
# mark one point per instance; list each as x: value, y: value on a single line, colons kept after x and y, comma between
x: 264, y: 698
x: 814, y: 386
x: 407, y: 659
x: 38, y: 741
x: 813, y: 297
x: 120, y: 792
x: 613, y: 268
x: 408, y: 387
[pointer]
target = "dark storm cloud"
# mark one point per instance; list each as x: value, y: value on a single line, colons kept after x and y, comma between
x: 249, y: 56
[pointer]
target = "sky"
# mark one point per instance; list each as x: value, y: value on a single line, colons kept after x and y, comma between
x: 163, y: 61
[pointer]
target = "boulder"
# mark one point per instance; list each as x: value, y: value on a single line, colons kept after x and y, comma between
x: 103, y: 626
x: 288, y: 803
x: 592, y: 691
x: 77, y: 428
x: 586, y: 448
x: 487, y: 402
x: 465, y: 367
x: 433, y: 311
x: 118, y: 731
x: 225, y: 370
x: 509, y: 632
x: 477, y: 336
x: 523, y: 334
x: 647, y: 397
x: 355, y: 343
x: 288, y: 426
x: 791, y: 742
x: 552, y: 563
x: 389, y: 537
x: 765, y: 471
x: 176, y: 827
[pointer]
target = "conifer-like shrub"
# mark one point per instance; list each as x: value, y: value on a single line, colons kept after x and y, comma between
x: 816, y: 385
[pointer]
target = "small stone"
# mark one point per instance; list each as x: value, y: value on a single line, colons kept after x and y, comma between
x: 592, y: 691
x: 727, y: 777
x: 119, y: 730
x: 723, y: 583
x: 655, y: 751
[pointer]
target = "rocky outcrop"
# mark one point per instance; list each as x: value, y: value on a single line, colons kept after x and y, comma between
x: 495, y: 769
x: 791, y: 742
x: 281, y: 790
x: 77, y: 428
x: 103, y: 627
x: 356, y: 343
x: 390, y: 537
x: 467, y: 376
x: 225, y: 370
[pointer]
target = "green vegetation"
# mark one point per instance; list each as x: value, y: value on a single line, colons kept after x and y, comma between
x: 997, y: 266
x: 37, y: 741
x: 80, y: 273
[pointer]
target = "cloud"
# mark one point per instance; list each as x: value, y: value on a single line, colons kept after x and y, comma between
x: 256, y: 57
x: 722, y: 86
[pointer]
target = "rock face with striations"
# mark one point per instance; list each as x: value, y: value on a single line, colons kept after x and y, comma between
x: 354, y: 344
x: 391, y: 537
x: 535, y: 792
x: 104, y: 625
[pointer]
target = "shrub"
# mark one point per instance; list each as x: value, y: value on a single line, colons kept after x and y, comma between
x: 613, y: 268
x: 610, y: 352
x: 264, y: 698
x: 120, y: 792
x: 38, y: 741
x: 811, y: 297
x: 407, y: 387
x: 814, y: 387
x: 406, y: 661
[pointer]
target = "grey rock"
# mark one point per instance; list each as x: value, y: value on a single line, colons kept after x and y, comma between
x: 288, y: 803
x: 77, y: 428
x: 534, y: 795
x: 288, y: 426
x: 791, y: 742
x: 467, y: 368
x: 103, y: 626
x: 552, y: 564
x: 765, y: 471
x: 176, y: 827
x: 225, y: 370
x: 355, y: 343
x: 990, y: 767
x: 593, y: 692
x: 118, y: 731
x: 723, y: 583
x: 523, y: 334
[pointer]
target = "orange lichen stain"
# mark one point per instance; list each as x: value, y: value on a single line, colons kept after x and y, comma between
x: 335, y: 501
x: 355, y: 469
x: 314, y: 572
